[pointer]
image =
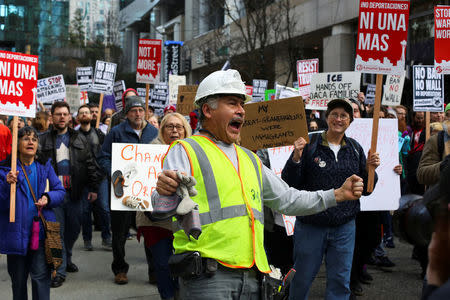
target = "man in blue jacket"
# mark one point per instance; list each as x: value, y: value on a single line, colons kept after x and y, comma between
x: 134, y: 130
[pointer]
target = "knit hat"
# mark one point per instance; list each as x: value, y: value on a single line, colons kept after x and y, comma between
x: 170, y: 107
x: 133, y: 101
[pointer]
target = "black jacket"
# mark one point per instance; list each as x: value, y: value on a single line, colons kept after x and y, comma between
x: 83, y: 170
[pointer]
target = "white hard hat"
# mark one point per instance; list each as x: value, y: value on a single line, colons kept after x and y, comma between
x: 221, y: 82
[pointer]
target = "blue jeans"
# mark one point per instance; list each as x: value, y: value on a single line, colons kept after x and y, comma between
x: 34, y: 264
x: 101, y: 205
x: 69, y: 215
x: 311, y: 243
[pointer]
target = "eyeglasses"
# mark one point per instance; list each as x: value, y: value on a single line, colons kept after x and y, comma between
x: 343, y: 117
x: 178, y: 127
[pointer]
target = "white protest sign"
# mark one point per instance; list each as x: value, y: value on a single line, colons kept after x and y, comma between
x: 84, y: 78
x: 141, y: 92
x: 51, y: 89
x: 104, y: 75
x: 259, y: 89
x: 386, y: 194
x: 428, y: 89
x: 393, y: 89
x: 174, y: 82
x: 140, y: 165
x: 75, y: 97
x: 288, y: 92
x: 305, y: 68
x: 328, y: 86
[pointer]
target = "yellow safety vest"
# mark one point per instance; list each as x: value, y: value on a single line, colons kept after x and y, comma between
x: 230, y: 206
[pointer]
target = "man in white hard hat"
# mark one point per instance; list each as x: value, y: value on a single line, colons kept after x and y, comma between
x: 228, y: 257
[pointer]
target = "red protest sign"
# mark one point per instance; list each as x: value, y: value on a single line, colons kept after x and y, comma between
x: 442, y: 39
x: 382, y: 36
x: 18, y: 79
x: 249, y: 90
x: 149, y: 61
x: 305, y: 68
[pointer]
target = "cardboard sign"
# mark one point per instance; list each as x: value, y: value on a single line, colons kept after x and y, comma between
x: 328, y: 86
x: 174, y: 82
x: 305, y: 68
x: 160, y: 95
x: 104, y: 76
x: 84, y: 78
x: 18, y: 80
x: 393, y: 90
x: 442, y: 39
x: 274, y: 123
x: 51, y: 89
x: 149, y: 61
x: 259, y: 89
x: 118, y: 89
x: 75, y: 97
x: 370, y: 94
x: 172, y: 58
x: 185, y: 99
x: 382, y: 36
x: 140, y: 165
x: 428, y: 89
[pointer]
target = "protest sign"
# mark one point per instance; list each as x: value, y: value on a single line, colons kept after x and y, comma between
x: 51, y: 89
x: 295, y: 85
x: 273, y: 123
x: 370, y: 94
x: 160, y: 94
x: 149, y: 61
x: 393, y: 90
x: 140, y: 165
x: 328, y: 86
x: 141, y: 92
x: 75, y: 97
x: 172, y: 58
x: 118, y: 89
x: 174, y: 82
x: 18, y: 80
x: 186, y: 97
x: 84, y: 78
x: 382, y: 36
x: 305, y: 68
x: 270, y: 95
x: 442, y: 39
x: 249, y: 90
x: 428, y: 89
x: 259, y: 89
x: 104, y: 76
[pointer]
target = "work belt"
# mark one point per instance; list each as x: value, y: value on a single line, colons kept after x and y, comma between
x: 191, y: 264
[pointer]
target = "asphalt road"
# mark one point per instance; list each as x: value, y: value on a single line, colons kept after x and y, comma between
x: 95, y: 279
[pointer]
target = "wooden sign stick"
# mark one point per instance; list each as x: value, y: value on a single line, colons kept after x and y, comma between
x: 427, y: 125
x: 376, y: 118
x: 100, y: 105
x: 12, y: 194
x: 147, y: 95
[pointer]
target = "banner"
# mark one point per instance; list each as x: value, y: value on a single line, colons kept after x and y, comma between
x: 172, y: 58
x: 393, y: 89
x: 160, y: 97
x: 118, y: 89
x: 442, y: 39
x: 428, y: 89
x: 84, y: 78
x: 140, y: 165
x: 305, y: 68
x: 382, y: 36
x: 149, y: 61
x: 273, y: 123
x: 174, y: 82
x: 186, y: 97
x: 51, y: 89
x: 104, y: 76
x: 328, y: 86
x: 18, y: 80
x: 75, y: 97
x: 259, y: 89
x: 370, y: 94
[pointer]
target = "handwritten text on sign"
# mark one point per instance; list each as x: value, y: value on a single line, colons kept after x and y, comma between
x: 273, y: 123
x: 305, y: 68
x: 393, y: 90
x: 442, y: 39
x: 51, y: 89
x: 382, y: 36
x: 140, y: 165
x: 149, y: 61
x: 18, y: 78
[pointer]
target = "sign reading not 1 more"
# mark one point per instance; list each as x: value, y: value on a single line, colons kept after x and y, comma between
x: 442, y: 39
x: 18, y: 79
x: 428, y: 89
x: 305, y: 68
x: 328, y: 86
x: 104, y: 75
x: 51, y: 89
x: 382, y: 36
x: 84, y: 78
x: 149, y: 61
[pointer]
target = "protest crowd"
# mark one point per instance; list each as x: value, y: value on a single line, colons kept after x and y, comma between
x: 232, y: 194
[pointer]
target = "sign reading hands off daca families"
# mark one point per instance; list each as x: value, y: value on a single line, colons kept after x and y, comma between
x: 274, y: 123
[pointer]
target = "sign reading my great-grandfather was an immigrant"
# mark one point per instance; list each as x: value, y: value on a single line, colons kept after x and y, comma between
x: 274, y: 123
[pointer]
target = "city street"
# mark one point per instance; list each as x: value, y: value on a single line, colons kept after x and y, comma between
x: 95, y: 280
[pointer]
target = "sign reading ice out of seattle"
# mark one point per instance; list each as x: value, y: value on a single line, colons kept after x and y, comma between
x: 382, y: 36
x: 149, y: 61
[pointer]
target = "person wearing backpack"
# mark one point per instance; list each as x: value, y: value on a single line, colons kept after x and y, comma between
x: 322, y: 164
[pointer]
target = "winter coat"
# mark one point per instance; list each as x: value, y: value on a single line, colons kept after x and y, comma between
x: 15, y: 237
